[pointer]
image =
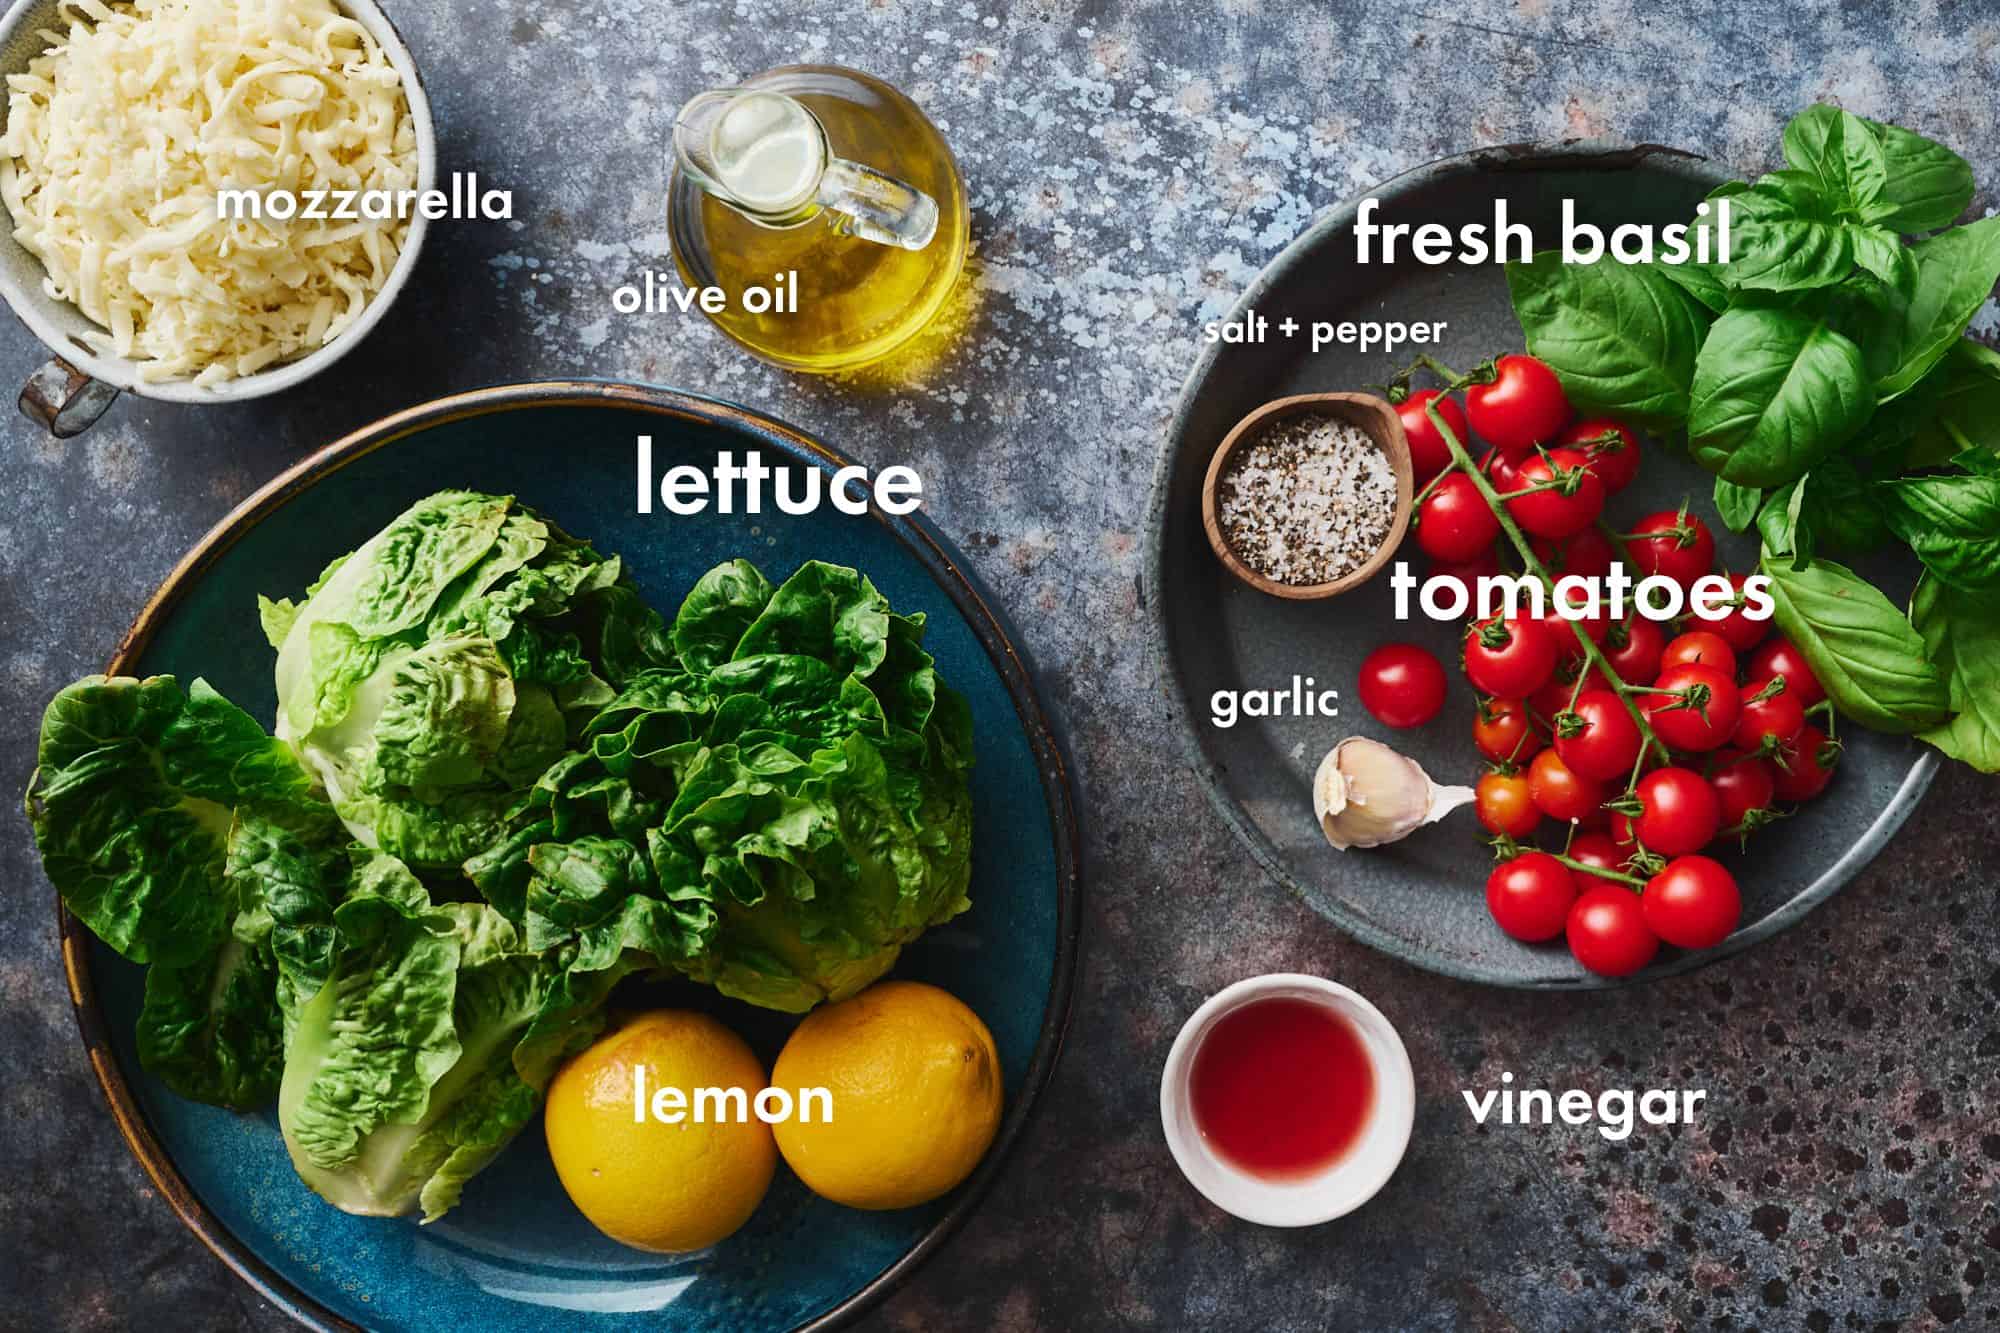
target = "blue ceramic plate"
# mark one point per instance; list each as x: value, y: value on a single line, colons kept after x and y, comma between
x: 515, y: 1254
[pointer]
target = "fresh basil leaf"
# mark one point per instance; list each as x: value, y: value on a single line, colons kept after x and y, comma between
x: 1784, y: 237
x: 1778, y: 522
x: 1701, y: 281
x: 1873, y: 663
x: 1927, y: 186
x: 1841, y: 153
x: 1737, y: 504
x: 1918, y: 325
x: 1961, y: 630
x: 1882, y: 253
x: 1960, y: 406
x: 1774, y: 392
x: 1952, y: 522
x: 1981, y: 462
x: 1621, y: 337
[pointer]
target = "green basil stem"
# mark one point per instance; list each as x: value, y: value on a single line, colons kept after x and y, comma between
x: 1463, y: 461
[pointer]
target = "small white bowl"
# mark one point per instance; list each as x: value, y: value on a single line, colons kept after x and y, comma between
x: 1312, y: 1199
x: 69, y: 393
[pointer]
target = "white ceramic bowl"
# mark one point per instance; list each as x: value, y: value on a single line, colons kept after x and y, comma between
x: 58, y: 323
x: 1331, y: 1193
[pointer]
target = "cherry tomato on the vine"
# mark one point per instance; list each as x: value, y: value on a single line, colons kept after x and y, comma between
x: 1429, y: 454
x: 1587, y: 553
x: 1633, y: 647
x: 1672, y: 543
x: 1607, y: 932
x: 1502, y: 802
x: 1402, y: 685
x: 1596, y: 849
x: 1779, y: 656
x: 1467, y: 573
x: 1806, y: 765
x: 1692, y: 903
x: 1766, y: 724
x: 1574, y: 503
x: 1693, y: 707
x: 1529, y: 896
x: 1561, y: 793
x: 1524, y: 405
x: 1735, y: 626
x: 1701, y: 646
x: 1613, y: 451
x: 1603, y: 740
x: 1453, y: 523
x: 1510, y: 658
x: 1742, y: 783
x: 1503, y: 732
x: 1681, y: 813
x: 1554, y: 697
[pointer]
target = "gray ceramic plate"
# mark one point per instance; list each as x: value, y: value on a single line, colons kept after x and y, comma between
x: 1421, y: 899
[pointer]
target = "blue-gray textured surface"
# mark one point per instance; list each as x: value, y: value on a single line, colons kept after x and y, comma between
x: 1129, y: 168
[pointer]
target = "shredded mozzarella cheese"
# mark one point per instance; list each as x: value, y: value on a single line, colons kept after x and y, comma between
x: 121, y: 134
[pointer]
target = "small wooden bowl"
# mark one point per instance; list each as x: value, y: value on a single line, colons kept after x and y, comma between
x: 1378, y: 420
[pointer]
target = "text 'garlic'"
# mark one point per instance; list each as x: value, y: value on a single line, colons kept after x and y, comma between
x: 1366, y: 794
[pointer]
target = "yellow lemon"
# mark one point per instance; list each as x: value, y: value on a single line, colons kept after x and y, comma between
x: 915, y: 1084
x: 665, y: 1187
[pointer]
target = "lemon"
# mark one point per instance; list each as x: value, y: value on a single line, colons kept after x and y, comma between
x: 915, y: 1084
x: 648, y: 1184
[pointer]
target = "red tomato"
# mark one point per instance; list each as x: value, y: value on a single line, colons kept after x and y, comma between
x: 1558, y: 626
x: 1633, y: 648
x: 1765, y: 725
x: 1502, y: 802
x: 1681, y: 812
x: 1613, y: 451
x: 1699, y: 646
x: 1453, y: 523
x: 1502, y: 731
x: 1572, y: 507
x: 1587, y: 554
x: 1560, y: 793
x: 1554, y: 697
x: 1467, y: 573
x: 1699, y: 711
x: 1742, y: 783
x: 1499, y: 470
x: 1596, y: 849
x: 1737, y: 629
x: 1402, y: 685
x: 1429, y: 454
x: 1692, y: 903
x: 1508, y: 659
x: 1805, y: 768
x: 1604, y: 741
x: 1524, y: 405
x: 1530, y: 896
x: 1608, y: 933
x: 1781, y: 657
x: 1673, y: 543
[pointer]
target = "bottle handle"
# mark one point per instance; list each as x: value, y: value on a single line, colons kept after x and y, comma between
x: 877, y: 207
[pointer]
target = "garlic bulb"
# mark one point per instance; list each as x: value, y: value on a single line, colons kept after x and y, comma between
x: 1366, y: 794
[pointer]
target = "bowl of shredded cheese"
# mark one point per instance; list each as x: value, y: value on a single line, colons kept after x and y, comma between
x: 127, y: 127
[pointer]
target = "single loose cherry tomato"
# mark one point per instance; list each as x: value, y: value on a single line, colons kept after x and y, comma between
x: 1524, y: 405
x: 1588, y: 554
x: 1779, y: 656
x: 1692, y: 903
x: 1510, y: 658
x: 1574, y: 503
x: 1503, y: 731
x: 1701, y: 646
x: 1806, y: 766
x: 1743, y: 783
x: 1767, y: 723
x: 1529, y: 896
x: 1633, y: 647
x: 1612, y: 449
x: 1502, y: 802
x: 1602, y: 741
x: 1694, y: 707
x: 1681, y: 813
x: 1467, y: 573
x: 1608, y: 933
x: 1735, y: 626
x: 1429, y: 454
x: 1453, y: 523
x: 1402, y: 685
x: 1596, y: 849
x: 1561, y: 793
x: 1673, y: 543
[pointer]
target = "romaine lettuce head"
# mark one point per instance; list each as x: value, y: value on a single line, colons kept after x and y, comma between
x: 776, y: 814
x: 435, y: 671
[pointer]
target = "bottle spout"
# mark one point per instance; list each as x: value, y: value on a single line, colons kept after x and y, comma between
x: 767, y: 156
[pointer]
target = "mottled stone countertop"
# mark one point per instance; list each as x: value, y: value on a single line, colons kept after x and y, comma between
x: 1130, y: 167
